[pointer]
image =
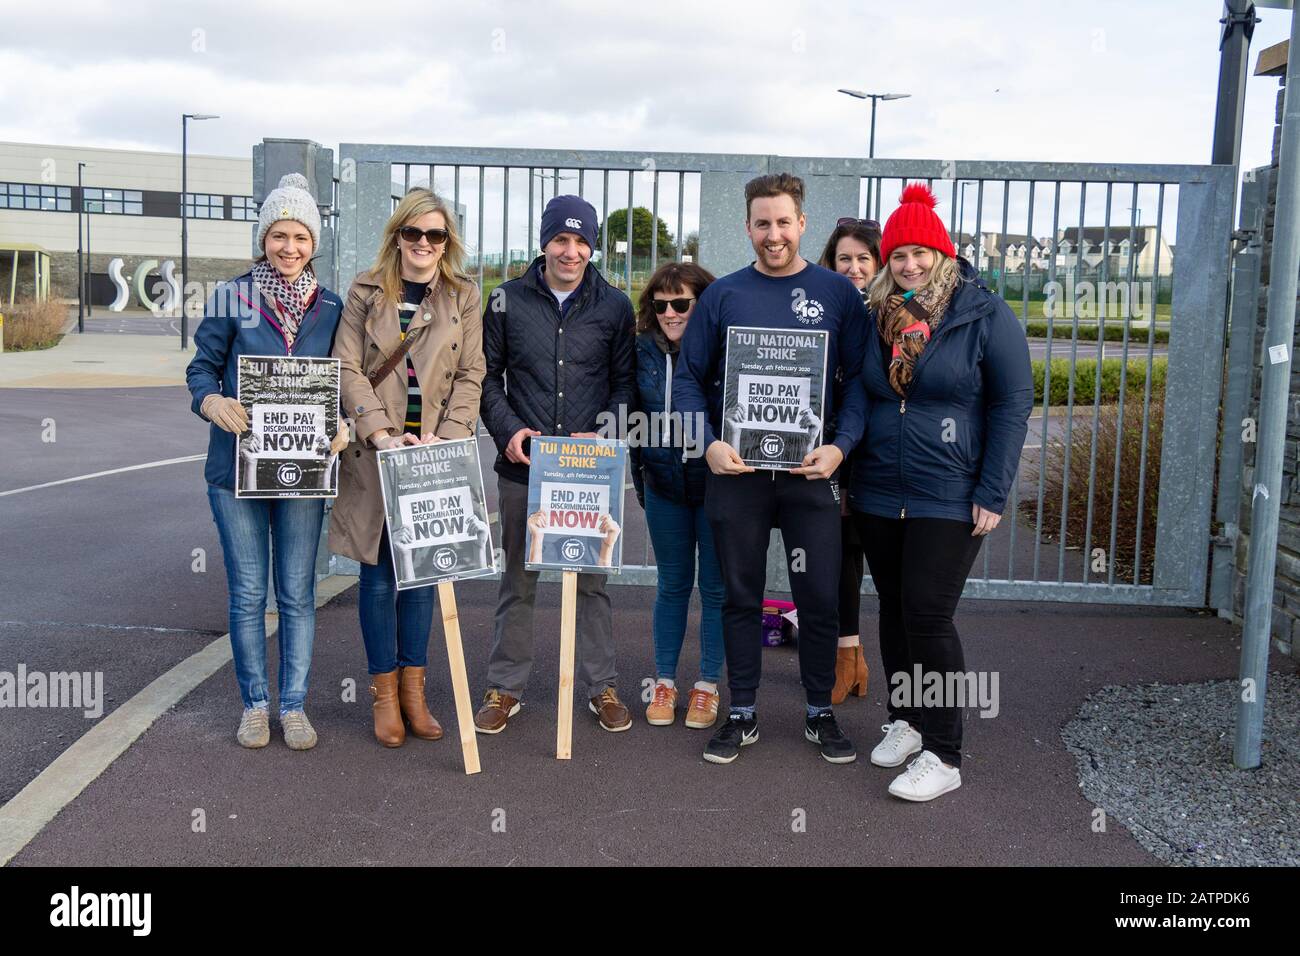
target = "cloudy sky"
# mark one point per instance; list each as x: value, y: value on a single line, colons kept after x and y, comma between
x: 1048, y: 80
x: 1078, y: 80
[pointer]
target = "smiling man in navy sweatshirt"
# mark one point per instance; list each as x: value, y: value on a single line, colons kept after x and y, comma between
x: 779, y: 290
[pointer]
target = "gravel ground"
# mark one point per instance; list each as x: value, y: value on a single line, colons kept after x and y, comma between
x: 1158, y: 759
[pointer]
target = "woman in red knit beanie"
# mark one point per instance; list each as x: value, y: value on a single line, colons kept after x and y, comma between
x: 949, y: 389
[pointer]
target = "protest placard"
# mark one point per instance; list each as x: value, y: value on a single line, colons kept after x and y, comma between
x: 575, y: 523
x: 575, y: 504
x: 436, y: 512
x: 293, y: 415
x: 773, y: 395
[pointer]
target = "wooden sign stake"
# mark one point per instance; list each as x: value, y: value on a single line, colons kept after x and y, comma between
x: 568, y: 642
x: 459, y: 679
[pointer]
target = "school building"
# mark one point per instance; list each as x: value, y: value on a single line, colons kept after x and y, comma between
x: 132, y: 211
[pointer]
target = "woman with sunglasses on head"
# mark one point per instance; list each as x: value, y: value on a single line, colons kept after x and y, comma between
x: 276, y: 308
x: 668, y: 474
x: 853, y: 250
x: 411, y: 346
x: 949, y: 392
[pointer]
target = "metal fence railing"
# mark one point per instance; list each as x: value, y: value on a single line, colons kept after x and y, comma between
x: 1117, y: 273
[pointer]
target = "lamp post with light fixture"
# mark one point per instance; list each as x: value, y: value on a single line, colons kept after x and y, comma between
x: 185, y: 237
x: 871, y: 146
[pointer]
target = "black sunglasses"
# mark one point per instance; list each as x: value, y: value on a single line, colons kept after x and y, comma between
x: 412, y: 235
x: 850, y: 221
x: 679, y: 305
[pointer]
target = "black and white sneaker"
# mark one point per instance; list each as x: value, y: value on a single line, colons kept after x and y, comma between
x: 825, y: 731
x: 738, y: 731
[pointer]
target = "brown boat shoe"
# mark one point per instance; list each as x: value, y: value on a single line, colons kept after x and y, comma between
x: 613, y: 715
x: 497, y: 709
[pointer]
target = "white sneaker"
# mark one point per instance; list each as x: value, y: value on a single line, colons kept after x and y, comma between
x: 900, y: 742
x: 925, y: 778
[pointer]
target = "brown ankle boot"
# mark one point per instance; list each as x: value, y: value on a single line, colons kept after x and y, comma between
x: 414, y: 706
x: 388, y: 717
x: 850, y: 674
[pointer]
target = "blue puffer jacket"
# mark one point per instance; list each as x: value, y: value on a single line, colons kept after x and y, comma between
x: 233, y: 326
x: 660, y: 465
x: 956, y: 438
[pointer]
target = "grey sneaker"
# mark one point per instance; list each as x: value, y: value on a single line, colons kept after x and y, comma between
x: 254, y: 728
x: 298, y: 731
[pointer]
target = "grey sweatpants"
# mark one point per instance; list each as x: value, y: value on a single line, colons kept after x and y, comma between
x: 512, y: 637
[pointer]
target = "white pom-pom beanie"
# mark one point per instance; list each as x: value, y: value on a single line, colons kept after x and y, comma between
x: 289, y: 200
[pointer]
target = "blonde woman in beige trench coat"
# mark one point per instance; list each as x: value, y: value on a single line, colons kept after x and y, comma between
x: 416, y: 288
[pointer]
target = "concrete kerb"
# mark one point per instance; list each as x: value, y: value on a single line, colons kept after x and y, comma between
x: 23, y: 817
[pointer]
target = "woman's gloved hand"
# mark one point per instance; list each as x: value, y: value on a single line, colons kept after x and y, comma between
x: 226, y: 413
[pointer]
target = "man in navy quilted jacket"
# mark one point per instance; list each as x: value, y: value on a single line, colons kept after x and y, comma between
x: 559, y: 344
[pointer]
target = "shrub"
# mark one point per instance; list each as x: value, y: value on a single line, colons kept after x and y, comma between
x: 1137, y: 337
x: 33, y: 325
x: 1129, y: 446
x: 1085, y: 380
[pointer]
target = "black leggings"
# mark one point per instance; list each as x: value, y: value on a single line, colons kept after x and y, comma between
x: 919, y: 566
x: 851, y: 569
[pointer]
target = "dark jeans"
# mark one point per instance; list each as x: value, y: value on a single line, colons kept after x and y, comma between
x: 394, y: 624
x: 919, y: 566
x: 743, y: 510
x: 851, y: 569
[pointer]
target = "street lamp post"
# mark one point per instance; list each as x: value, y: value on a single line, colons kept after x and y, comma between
x: 90, y: 306
x: 185, y: 233
x: 871, y: 146
x: 81, y: 272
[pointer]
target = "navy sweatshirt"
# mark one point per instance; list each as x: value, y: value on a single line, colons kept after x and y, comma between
x: 813, y: 299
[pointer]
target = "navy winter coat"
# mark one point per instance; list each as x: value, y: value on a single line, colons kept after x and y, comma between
x: 956, y: 438
x: 657, y: 463
x: 233, y: 325
x: 551, y: 373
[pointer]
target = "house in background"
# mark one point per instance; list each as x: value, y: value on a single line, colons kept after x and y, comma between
x: 997, y: 252
x: 1085, y: 251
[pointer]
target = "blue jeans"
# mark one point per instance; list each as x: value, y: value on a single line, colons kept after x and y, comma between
x: 247, y: 527
x: 678, y: 532
x: 394, y: 624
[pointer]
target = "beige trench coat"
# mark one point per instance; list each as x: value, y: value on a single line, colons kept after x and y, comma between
x: 449, y: 365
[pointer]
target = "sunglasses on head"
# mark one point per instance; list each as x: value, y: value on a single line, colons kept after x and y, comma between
x: 679, y: 305
x: 850, y: 221
x: 412, y: 235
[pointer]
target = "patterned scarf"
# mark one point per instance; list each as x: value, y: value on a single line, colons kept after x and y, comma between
x: 290, y: 298
x: 906, y: 323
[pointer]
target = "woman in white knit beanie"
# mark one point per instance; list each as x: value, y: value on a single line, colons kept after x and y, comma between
x: 277, y: 308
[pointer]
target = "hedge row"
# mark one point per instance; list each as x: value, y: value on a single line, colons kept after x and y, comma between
x: 1085, y: 380
x: 1063, y: 329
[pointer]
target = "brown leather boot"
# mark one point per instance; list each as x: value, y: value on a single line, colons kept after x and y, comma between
x: 415, y: 707
x: 850, y: 674
x: 389, y: 730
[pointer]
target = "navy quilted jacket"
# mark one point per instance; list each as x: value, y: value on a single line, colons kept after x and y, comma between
x: 551, y: 373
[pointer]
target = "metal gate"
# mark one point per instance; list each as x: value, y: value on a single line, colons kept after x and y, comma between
x: 1119, y: 274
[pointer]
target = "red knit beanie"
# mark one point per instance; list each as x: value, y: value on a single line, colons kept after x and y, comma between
x: 915, y: 222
